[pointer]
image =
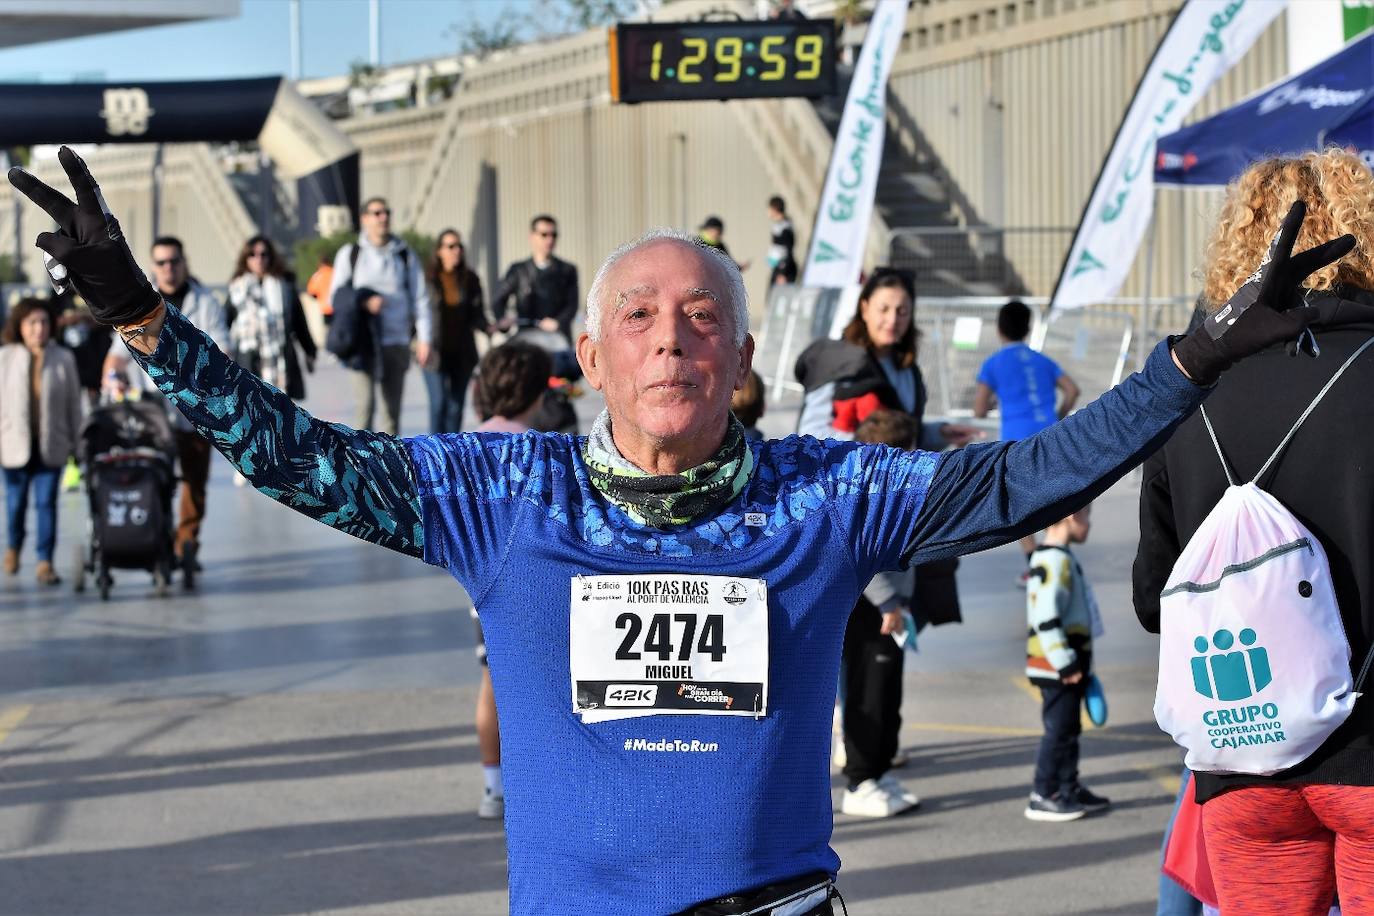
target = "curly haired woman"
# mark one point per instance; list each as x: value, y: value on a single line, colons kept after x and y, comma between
x: 1285, y: 844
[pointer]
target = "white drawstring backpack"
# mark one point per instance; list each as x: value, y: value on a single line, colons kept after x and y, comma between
x: 1254, y: 665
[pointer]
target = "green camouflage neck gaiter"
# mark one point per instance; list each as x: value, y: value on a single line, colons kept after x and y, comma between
x: 661, y: 500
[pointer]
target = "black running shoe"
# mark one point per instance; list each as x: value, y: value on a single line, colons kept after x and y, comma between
x: 1090, y: 801
x: 1053, y: 809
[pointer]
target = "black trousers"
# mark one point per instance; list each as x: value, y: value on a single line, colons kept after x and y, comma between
x: 1056, y: 766
x: 872, y: 680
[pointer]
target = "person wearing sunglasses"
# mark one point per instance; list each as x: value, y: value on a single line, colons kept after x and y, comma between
x: 269, y: 320
x: 543, y: 286
x: 388, y: 294
x: 544, y: 290
x: 455, y: 294
x: 173, y: 281
x: 662, y: 551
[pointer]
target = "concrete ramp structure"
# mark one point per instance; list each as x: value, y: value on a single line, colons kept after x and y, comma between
x: 999, y: 117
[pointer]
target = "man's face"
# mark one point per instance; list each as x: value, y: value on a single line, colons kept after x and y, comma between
x: 377, y: 219
x: 169, y: 268
x: 543, y: 237
x: 667, y: 361
x: 711, y: 234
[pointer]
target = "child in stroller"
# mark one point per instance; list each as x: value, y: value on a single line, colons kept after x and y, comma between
x: 129, y: 454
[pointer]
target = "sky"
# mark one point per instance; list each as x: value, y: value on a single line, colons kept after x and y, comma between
x: 334, y: 34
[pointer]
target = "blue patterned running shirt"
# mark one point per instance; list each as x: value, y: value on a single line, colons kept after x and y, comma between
x: 651, y: 814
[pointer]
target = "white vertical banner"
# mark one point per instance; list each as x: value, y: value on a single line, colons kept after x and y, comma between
x: 1206, y: 39
x: 846, y: 208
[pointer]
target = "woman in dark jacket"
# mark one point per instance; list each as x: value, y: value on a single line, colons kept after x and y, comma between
x: 268, y: 322
x: 455, y: 296
x: 873, y: 365
x: 1284, y: 843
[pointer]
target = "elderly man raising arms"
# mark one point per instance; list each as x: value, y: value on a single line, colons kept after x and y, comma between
x: 664, y: 601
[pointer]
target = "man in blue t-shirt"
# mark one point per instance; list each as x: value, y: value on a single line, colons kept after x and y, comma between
x: 1023, y: 383
x: 663, y: 601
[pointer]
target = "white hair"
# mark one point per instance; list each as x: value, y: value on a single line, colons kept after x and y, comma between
x: 739, y: 299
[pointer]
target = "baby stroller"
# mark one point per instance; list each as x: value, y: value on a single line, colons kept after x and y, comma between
x: 129, y: 453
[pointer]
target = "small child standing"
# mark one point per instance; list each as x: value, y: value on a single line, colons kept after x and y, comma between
x: 1061, y: 617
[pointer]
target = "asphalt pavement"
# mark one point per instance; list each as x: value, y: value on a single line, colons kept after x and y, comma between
x: 297, y: 737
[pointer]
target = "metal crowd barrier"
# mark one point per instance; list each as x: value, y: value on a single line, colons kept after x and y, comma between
x: 1096, y: 345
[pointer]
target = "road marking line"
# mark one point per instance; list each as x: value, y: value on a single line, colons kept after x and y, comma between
x: 1167, y: 778
x: 10, y: 719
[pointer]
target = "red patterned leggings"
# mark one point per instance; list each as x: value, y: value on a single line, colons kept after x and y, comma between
x: 1287, y: 850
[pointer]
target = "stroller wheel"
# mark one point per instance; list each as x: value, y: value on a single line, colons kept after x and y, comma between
x: 79, y: 570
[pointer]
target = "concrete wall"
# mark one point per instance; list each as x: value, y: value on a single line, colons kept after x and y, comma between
x: 1015, y: 103
x: 1019, y: 103
x: 535, y: 132
x: 393, y: 147
x: 198, y: 206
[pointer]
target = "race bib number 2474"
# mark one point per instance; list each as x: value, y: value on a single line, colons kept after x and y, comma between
x: 668, y: 644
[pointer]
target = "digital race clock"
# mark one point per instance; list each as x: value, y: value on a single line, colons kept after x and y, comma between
x: 679, y: 61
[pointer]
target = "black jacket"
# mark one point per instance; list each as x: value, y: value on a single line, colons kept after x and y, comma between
x: 1325, y: 478
x: 547, y: 293
x: 456, y: 323
x: 843, y: 382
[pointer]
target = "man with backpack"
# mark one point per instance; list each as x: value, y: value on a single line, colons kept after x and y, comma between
x: 380, y: 300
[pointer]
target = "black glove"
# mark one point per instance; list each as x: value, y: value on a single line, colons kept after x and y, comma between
x: 1262, y: 312
x: 88, y: 250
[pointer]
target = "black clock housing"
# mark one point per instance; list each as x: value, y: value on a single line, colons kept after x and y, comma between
x: 685, y: 61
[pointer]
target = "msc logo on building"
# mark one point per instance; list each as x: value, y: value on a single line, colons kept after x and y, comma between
x: 126, y: 111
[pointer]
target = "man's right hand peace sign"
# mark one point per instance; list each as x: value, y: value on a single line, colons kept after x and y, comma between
x: 89, y: 250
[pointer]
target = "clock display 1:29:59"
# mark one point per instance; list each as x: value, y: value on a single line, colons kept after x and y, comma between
x: 722, y: 59
x: 685, y: 61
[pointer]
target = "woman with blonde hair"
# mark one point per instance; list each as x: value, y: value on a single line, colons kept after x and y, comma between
x: 1285, y: 844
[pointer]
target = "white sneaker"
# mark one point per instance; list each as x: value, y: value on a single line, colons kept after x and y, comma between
x: 492, y: 807
x: 894, y: 786
x: 870, y: 799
